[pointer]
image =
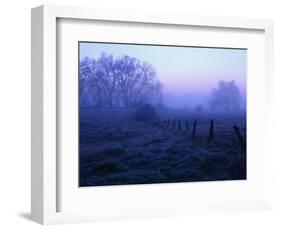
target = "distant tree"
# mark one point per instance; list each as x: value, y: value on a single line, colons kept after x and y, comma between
x: 123, y: 82
x: 225, y: 97
x: 199, y: 108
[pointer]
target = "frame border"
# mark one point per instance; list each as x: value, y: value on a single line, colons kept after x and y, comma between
x: 44, y: 88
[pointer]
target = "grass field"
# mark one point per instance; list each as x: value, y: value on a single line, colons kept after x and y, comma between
x: 116, y: 149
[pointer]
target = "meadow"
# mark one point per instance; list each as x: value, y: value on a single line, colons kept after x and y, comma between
x: 117, y: 149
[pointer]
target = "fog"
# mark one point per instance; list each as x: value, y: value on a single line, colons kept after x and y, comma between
x: 189, y: 100
x: 186, y: 101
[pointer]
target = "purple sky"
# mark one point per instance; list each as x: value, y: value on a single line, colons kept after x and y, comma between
x: 184, y: 71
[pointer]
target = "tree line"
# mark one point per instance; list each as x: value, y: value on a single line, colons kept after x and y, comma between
x: 124, y: 82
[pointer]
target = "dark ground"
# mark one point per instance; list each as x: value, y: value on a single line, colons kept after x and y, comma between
x: 116, y: 149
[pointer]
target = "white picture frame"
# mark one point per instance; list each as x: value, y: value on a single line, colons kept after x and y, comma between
x: 46, y: 182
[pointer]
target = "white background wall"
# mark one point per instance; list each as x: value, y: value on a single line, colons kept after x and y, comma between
x: 15, y: 113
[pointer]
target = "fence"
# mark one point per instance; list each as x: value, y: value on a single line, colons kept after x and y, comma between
x: 182, y: 127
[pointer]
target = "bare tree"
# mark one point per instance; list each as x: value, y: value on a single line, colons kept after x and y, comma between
x: 126, y: 68
x: 225, y: 97
x: 107, y: 77
x: 123, y: 82
x: 90, y: 85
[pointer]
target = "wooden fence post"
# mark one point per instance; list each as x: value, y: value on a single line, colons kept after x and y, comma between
x: 211, y: 131
x: 194, y: 128
x: 187, y: 126
x: 239, y: 136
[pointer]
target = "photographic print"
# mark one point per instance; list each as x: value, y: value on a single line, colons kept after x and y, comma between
x: 161, y: 113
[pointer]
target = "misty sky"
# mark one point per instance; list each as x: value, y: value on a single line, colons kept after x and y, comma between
x: 187, y: 73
